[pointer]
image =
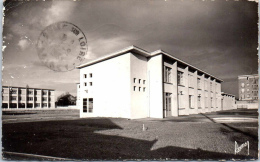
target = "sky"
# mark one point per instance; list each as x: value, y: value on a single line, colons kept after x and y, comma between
x: 219, y: 37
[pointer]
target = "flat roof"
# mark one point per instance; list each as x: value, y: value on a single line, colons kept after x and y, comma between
x: 252, y: 75
x: 223, y: 93
x: 27, y: 88
x: 143, y: 53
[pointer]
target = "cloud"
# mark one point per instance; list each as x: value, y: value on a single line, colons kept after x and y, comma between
x: 59, y: 11
x: 23, y: 44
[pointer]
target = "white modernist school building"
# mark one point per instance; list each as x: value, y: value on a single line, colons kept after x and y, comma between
x: 133, y: 83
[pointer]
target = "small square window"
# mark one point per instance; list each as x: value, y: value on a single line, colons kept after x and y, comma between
x: 134, y: 80
x: 85, y: 75
x: 90, y: 83
x: 90, y: 75
x: 143, y: 81
x: 85, y: 84
x: 139, y: 89
x: 144, y: 89
x: 134, y: 88
x: 139, y: 81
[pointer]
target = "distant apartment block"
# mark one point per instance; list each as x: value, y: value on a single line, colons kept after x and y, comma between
x: 27, y: 98
x: 248, y: 87
x: 133, y: 83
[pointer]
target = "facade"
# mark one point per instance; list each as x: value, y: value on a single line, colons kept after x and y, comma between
x: 27, y: 98
x: 133, y: 83
x: 248, y: 87
x: 228, y: 102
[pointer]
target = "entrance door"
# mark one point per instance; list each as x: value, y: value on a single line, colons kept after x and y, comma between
x: 167, y: 111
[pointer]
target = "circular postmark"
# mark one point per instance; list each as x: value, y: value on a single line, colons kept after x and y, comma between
x: 62, y: 46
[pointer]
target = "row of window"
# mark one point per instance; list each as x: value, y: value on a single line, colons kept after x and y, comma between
x: 192, y: 101
x: 90, y: 75
x: 139, y: 81
x: 86, y: 84
x: 5, y: 98
x: 139, y: 89
x: 22, y: 105
x: 88, y: 105
x: 180, y: 81
x: 28, y: 92
x: 254, y: 92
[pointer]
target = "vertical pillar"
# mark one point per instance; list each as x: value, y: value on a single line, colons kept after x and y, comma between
x: 47, y: 98
x: 214, y: 95
x: 195, y: 86
x: 186, y: 91
x: 26, y: 97
x: 41, y: 98
x: 202, y: 98
x: 175, y: 90
x: 17, y: 98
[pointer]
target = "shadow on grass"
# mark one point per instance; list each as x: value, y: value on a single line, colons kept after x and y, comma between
x: 76, y: 139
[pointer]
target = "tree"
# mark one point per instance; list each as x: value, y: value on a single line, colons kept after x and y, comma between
x: 66, y: 99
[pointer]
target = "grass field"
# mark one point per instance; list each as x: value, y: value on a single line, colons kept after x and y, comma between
x: 115, y: 138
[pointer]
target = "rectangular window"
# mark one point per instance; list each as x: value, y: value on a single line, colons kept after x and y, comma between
x: 180, y: 78
x: 13, y: 91
x: 5, y: 98
x: 190, y: 80
x: 134, y: 80
x: 44, y: 105
x: 191, y: 101
x: 90, y: 105
x: 199, y: 101
x: 44, y: 99
x: 44, y: 92
x: 90, y: 83
x: 37, y: 105
x: 30, y: 98
x: 206, y: 85
x: 35, y: 98
x: 167, y: 74
x: 90, y: 75
x: 144, y: 89
x: 168, y: 100
x: 134, y: 88
x: 85, y: 106
x: 85, y: 75
x: 143, y: 81
x: 206, y: 102
x: 199, y: 83
x: 49, y: 99
x: 139, y: 89
x: 211, y: 102
x: 30, y: 92
x: 85, y: 84
x: 49, y: 105
x: 13, y: 98
x: 139, y: 81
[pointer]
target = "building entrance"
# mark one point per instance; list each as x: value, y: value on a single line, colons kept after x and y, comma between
x: 167, y: 110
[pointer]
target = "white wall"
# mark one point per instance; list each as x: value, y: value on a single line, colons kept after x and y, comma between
x: 139, y: 99
x: 110, y: 90
x: 155, y: 77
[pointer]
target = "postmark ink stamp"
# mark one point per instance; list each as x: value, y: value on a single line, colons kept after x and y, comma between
x: 62, y: 46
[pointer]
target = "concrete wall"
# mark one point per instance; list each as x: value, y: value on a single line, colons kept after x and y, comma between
x: 228, y: 102
x: 139, y: 81
x: 155, y: 77
x: 110, y: 90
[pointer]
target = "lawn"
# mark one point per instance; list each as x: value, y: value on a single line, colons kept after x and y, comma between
x: 115, y: 138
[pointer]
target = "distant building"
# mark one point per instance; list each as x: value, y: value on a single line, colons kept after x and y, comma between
x: 133, y: 83
x: 248, y: 87
x: 248, y: 91
x: 27, y: 98
x: 228, y: 101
